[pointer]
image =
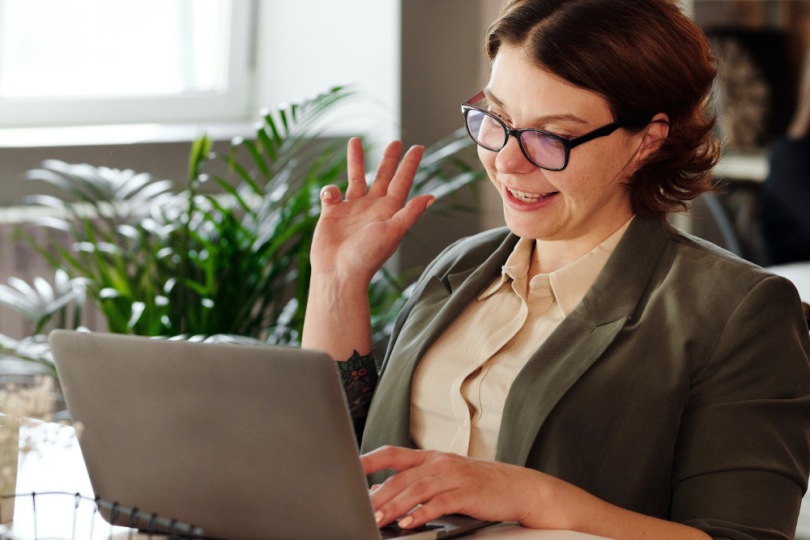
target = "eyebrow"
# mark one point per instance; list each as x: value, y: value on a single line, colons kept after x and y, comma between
x: 539, y: 120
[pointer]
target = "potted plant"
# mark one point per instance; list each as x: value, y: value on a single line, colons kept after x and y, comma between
x: 229, y: 253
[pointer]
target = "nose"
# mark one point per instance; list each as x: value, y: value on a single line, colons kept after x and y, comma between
x: 511, y: 158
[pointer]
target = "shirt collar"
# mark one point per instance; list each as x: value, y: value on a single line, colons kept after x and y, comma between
x: 568, y: 284
x: 515, y: 267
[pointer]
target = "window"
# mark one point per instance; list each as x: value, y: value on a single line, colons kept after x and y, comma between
x: 77, y: 62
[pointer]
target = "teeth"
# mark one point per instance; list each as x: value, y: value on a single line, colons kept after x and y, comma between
x: 527, y: 197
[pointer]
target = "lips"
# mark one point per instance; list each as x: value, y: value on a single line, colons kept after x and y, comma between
x: 529, y: 198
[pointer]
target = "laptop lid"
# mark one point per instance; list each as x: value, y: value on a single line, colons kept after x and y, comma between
x: 244, y: 442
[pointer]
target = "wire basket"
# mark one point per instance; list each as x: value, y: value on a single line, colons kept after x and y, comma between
x: 60, y: 515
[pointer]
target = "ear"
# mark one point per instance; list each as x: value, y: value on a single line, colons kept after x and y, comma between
x: 653, y: 135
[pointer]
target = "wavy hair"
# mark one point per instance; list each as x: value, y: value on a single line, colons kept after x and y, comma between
x: 644, y: 57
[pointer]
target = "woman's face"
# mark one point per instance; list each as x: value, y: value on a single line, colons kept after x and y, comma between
x: 587, y: 201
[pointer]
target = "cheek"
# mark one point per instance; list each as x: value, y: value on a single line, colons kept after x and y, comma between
x: 603, y: 166
x: 590, y: 183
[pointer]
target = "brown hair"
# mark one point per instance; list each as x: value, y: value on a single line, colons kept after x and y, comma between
x: 644, y: 57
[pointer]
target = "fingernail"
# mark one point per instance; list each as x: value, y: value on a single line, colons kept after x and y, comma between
x: 430, y: 203
x: 405, y: 522
x: 378, y: 516
x: 326, y: 195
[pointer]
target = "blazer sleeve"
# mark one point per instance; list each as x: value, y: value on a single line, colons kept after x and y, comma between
x: 743, y: 452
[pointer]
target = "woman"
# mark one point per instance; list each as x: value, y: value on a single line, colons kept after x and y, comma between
x: 588, y: 368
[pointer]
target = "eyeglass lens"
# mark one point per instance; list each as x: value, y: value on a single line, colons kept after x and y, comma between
x: 542, y: 149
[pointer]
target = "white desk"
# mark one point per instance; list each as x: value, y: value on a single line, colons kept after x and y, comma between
x: 798, y: 273
x: 55, y: 465
x: 58, y: 466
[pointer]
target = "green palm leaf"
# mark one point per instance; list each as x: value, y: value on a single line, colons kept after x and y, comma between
x: 230, y: 262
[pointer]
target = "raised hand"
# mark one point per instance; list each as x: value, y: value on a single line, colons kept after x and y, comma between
x: 358, y: 233
x: 354, y: 237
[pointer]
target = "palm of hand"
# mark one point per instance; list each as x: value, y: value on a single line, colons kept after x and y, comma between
x: 357, y: 235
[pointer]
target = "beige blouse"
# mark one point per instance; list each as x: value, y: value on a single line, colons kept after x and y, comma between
x: 461, y: 384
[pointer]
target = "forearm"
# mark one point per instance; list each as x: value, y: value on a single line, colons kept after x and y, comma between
x: 428, y: 484
x: 338, y: 317
x: 580, y: 511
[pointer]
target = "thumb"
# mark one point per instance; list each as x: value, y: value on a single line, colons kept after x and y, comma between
x: 330, y: 195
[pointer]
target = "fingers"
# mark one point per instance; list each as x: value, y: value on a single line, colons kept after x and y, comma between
x: 428, y: 486
x: 401, y: 184
x: 387, y: 169
x: 355, y: 169
x: 392, y: 183
x: 393, y: 177
x: 405, y: 490
x: 391, y: 457
x: 438, y: 506
x: 408, y: 215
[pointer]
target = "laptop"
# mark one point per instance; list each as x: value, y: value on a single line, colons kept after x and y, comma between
x: 243, y: 442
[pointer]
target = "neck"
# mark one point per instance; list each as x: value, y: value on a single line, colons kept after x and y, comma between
x: 551, y: 255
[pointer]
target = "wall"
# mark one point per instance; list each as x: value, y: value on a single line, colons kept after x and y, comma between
x: 302, y: 48
x: 307, y: 47
x: 412, y: 62
x: 443, y: 64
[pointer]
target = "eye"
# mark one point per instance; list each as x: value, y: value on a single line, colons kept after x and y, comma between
x: 541, y: 143
x: 558, y: 134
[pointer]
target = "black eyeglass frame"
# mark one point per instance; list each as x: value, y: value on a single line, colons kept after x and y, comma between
x: 567, y: 144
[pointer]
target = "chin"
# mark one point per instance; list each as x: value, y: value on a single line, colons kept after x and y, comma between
x: 520, y: 228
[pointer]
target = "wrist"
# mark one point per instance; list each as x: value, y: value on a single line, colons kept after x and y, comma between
x: 553, y: 504
x: 338, y: 316
x: 348, y: 281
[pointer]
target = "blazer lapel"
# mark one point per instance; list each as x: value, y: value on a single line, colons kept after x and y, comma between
x: 568, y: 353
x: 580, y: 339
x: 553, y: 369
x: 437, y: 304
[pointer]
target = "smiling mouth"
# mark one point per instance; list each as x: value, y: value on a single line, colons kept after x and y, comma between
x: 529, y: 197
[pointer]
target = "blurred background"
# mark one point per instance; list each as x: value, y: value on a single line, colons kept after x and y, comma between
x: 129, y: 84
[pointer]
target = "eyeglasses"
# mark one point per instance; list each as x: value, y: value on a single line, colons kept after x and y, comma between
x: 543, y: 149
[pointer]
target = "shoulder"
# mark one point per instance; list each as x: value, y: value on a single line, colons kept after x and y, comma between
x: 726, y: 299
x: 685, y: 278
x: 724, y: 283
x: 708, y: 266
x: 696, y: 289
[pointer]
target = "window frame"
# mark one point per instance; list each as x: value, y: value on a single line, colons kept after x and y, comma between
x: 228, y: 104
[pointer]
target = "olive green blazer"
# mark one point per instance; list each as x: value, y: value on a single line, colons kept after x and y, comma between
x: 679, y: 387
